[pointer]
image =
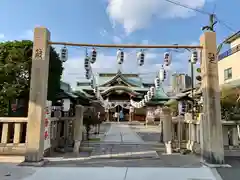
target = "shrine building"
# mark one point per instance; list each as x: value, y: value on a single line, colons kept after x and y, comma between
x: 118, y: 89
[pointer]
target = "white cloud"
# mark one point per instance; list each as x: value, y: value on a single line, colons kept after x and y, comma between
x: 136, y: 14
x: 2, y: 36
x: 117, y: 39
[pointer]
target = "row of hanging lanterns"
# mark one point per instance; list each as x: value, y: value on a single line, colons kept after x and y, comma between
x: 88, y: 61
x: 141, y: 57
x: 120, y: 56
x: 150, y: 94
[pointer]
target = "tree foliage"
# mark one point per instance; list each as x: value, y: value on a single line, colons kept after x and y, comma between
x: 15, y: 71
x: 229, y: 101
x: 173, y: 105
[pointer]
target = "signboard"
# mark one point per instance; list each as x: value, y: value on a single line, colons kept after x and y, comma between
x: 47, y: 123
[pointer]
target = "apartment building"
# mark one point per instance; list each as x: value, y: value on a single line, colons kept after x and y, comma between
x: 229, y: 62
x: 180, y: 82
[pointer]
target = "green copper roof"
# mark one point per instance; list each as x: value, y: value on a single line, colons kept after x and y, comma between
x: 160, y: 94
x: 132, y: 80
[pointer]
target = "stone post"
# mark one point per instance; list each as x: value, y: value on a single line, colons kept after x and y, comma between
x: 78, y: 127
x: 66, y: 132
x: 149, y: 119
x: 212, y: 151
x: 192, y: 136
x: 158, y: 116
x: 235, y: 136
x: 167, y: 129
x: 198, y: 133
x: 38, y: 95
x: 225, y: 135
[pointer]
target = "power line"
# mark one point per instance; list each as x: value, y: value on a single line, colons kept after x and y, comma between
x: 225, y: 24
x: 202, y: 12
x: 188, y: 7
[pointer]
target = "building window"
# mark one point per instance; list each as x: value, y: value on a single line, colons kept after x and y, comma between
x: 228, y: 73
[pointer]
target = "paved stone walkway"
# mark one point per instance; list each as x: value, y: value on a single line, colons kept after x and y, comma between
x: 122, y: 133
x: 122, y: 141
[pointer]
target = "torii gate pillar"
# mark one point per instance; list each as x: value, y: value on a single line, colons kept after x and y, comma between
x: 38, y: 96
x: 212, y: 147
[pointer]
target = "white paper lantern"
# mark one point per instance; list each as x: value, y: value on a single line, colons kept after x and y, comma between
x: 157, y: 82
x: 64, y: 54
x: 194, y: 57
x: 146, y: 98
x: 152, y: 89
x: 88, y: 74
x: 66, y: 104
x: 87, y: 65
x: 93, y: 56
x: 161, y: 74
x: 140, y: 58
x: 167, y: 59
x: 120, y: 56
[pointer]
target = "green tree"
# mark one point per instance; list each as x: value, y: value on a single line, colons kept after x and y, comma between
x: 173, y: 105
x: 15, y: 71
x: 229, y: 101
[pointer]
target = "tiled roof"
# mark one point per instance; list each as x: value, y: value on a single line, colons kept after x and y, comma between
x: 136, y: 81
x: 124, y: 88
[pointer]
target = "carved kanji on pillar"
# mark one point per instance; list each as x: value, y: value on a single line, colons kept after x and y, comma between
x: 38, y: 54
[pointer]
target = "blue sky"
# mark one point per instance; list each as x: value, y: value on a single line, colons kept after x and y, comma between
x: 116, y: 21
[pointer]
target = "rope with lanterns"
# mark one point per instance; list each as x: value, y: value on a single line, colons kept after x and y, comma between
x: 89, y: 60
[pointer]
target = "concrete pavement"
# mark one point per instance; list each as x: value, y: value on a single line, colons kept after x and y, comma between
x: 110, y: 173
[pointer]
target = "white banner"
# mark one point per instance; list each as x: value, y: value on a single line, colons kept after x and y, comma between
x: 47, y: 122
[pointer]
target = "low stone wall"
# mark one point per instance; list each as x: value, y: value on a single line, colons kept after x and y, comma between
x: 13, y: 135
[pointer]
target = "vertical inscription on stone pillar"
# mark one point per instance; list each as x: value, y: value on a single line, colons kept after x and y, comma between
x: 212, y: 128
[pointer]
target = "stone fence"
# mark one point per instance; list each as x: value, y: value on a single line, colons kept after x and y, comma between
x: 63, y: 131
x: 189, y: 132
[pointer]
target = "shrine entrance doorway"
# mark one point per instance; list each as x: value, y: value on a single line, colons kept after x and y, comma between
x: 115, y: 114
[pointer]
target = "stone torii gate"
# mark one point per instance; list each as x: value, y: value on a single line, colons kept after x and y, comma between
x: 212, y: 145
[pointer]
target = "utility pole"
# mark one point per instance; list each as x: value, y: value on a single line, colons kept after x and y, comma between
x: 192, y: 87
x: 212, y: 23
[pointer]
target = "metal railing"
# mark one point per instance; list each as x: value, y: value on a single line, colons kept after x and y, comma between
x: 229, y: 52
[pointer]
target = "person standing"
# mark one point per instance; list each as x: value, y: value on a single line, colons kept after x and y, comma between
x: 121, y: 115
